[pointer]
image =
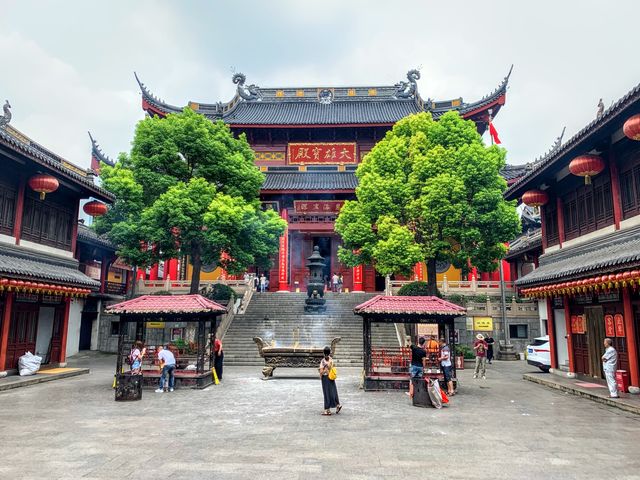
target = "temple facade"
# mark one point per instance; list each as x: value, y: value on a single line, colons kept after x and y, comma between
x: 308, y: 142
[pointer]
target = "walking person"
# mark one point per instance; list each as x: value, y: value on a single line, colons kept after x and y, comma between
x: 334, y: 283
x: 168, y: 365
x: 256, y: 283
x: 263, y: 282
x: 609, y: 364
x: 340, y: 283
x: 447, y: 367
x: 135, y: 357
x: 329, y: 389
x: 480, y: 347
x: 218, y: 357
x: 490, y: 341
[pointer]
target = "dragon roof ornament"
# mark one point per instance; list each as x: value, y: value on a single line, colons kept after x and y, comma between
x: 6, y: 118
x: 246, y: 92
x: 408, y: 89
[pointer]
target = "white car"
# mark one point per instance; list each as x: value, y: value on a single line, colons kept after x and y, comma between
x: 539, y: 353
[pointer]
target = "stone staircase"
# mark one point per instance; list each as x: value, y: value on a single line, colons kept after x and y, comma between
x: 287, y: 323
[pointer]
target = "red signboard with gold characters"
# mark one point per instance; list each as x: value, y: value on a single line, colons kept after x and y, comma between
x: 310, y: 153
x: 609, y: 327
x: 578, y: 324
x: 317, y: 206
x: 618, y: 319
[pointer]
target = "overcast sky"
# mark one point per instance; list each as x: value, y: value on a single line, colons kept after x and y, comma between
x: 67, y: 66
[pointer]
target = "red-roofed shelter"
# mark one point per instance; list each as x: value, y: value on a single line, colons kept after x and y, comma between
x: 388, y: 369
x: 155, y: 317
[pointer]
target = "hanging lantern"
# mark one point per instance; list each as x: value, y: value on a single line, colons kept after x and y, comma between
x: 586, y: 166
x: 95, y: 208
x: 43, y: 184
x: 535, y: 198
x: 631, y: 128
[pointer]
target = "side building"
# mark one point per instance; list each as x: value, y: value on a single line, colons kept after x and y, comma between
x: 584, y: 264
x: 42, y: 290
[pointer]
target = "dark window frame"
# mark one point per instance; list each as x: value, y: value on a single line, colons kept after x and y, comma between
x: 588, y: 208
x: 8, y: 204
x: 47, y: 222
x: 517, y: 331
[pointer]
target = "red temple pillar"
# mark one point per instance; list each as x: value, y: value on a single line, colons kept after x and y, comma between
x: 64, y: 332
x: 171, y: 268
x: 153, y: 272
x: 283, y: 256
x: 141, y: 274
x: 567, y: 321
x: 615, y: 190
x: 357, y: 278
x: 418, y: 272
x: 104, y: 273
x: 632, y: 345
x: 4, y: 329
x: 551, y: 329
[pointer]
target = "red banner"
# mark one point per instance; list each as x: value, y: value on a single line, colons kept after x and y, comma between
x: 317, y: 206
x: 618, y: 319
x: 283, y: 256
x: 417, y: 272
x: 609, y: 326
x: 310, y: 153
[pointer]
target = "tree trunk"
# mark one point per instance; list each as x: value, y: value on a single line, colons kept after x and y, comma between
x: 196, y: 262
x: 432, y: 283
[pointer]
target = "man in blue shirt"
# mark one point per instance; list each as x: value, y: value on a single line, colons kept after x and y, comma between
x: 168, y: 365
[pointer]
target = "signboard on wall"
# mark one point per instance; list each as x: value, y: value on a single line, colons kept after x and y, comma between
x: 155, y: 324
x: 609, y: 327
x: 618, y: 320
x: 427, y: 330
x: 483, y: 324
x: 317, y: 206
x: 578, y: 324
x: 318, y: 153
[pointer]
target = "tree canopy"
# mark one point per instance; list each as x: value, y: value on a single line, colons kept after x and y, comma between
x: 430, y: 190
x: 188, y: 186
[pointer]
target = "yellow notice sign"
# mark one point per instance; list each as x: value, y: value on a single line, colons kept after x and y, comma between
x: 155, y: 324
x: 484, y: 324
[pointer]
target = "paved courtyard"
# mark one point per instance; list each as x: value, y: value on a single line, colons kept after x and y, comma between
x: 247, y: 428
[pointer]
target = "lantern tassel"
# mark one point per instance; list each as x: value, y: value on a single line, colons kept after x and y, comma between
x: 587, y: 179
x: 42, y: 195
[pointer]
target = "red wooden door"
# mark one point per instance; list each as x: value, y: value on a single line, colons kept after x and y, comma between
x: 581, y: 353
x: 22, y: 333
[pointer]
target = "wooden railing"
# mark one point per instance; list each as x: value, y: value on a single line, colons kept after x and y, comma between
x: 184, y: 286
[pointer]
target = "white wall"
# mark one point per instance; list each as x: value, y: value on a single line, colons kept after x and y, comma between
x: 45, y: 331
x: 73, y: 332
x: 542, y: 313
x: 561, y: 334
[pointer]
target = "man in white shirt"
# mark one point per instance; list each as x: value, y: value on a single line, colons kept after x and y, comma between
x: 609, y: 363
x: 168, y: 365
x: 263, y: 283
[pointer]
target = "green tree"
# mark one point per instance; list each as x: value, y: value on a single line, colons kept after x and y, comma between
x: 430, y: 190
x: 189, y: 186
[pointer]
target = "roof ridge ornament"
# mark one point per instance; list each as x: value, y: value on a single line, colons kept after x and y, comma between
x: 408, y: 89
x: 325, y: 96
x: 6, y: 118
x: 247, y: 92
x: 99, y: 154
x: 554, y: 148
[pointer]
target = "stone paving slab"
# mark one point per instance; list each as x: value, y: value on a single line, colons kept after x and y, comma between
x: 246, y: 428
x: 46, y: 375
x: 586, y: 389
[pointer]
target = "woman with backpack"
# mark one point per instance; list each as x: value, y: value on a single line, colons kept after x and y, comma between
x: 135, y: 357
x: 328, y: 375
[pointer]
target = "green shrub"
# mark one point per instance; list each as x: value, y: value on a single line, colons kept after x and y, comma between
x: 219, y: 292
x: 482, y: 298
x: 456, y: 298
x: 162, y: 292
x: 466, y: 351
x: 416, y: 289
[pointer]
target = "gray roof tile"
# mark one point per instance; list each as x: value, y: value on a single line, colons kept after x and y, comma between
x: 310, y: 181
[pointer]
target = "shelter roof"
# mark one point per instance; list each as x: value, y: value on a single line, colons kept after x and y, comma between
x: 366, y: 105
x: 24, y: 264
x: 170, y: 304
x: 424, y: 305
x: 606, y: 255
x: 18, y: 142
x: 524, y: 243
x: 310, y: 181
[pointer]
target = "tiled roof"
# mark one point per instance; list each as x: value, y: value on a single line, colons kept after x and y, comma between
x: 616, y: 113
x: 310, y: 181
x: 524, y: 243
x: 88, y: 235
x: 605, y: 255
x: 314, y: 113
x: 167, y: 304
x: 29, y: 265
x: 513, y: 172
x: 17, y: 141
x: 410, y: 305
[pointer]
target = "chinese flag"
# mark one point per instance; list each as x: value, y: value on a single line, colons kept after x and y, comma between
x: 494, y: 134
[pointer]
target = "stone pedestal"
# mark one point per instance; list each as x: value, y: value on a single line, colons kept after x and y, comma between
x: 507, y: 352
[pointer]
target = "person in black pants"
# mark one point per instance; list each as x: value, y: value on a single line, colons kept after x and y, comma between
x: 490, y: 341
x: 218, y: 357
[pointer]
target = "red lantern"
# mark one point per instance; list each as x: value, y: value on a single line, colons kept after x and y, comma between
x: 586, y: 166
x: 43, y: 184
x: 95, y: 208
x: 535, y: 198
x: 631, y: 128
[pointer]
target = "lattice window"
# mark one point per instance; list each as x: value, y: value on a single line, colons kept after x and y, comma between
x: 47, y: 223
x: 8, y: 196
